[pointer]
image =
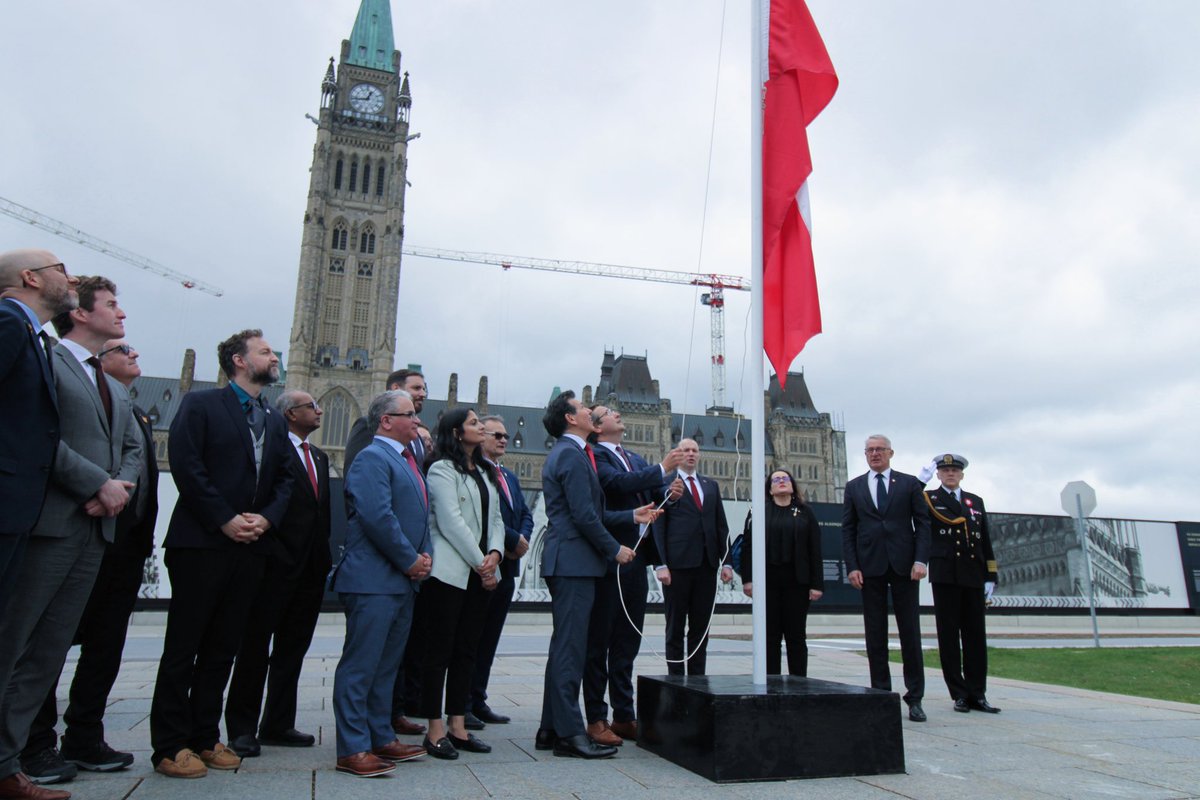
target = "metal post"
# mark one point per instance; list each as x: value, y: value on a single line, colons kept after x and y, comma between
x: 1087, y: 560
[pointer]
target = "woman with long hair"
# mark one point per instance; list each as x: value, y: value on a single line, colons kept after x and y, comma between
x: 468, y: 543
x: 795, y: 573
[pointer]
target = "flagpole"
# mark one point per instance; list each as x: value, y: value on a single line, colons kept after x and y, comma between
x: 756, y: 406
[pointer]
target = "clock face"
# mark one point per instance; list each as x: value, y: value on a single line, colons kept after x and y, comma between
x: 366, y: 98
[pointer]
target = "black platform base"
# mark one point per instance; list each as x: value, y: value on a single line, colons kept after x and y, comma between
x: 729, y: 730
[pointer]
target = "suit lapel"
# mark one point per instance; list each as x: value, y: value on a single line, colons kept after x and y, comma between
x: 69, y: 364
x: 234, y: 408
x: 407, y: 470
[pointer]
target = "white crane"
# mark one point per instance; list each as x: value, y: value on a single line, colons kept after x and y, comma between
x: 62, y: 229
x: 714, y: 299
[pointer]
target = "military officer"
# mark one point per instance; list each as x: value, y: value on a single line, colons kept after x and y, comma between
x: 962, y: 573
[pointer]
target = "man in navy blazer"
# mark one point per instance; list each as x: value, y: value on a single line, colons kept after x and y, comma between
x: 693, y: 543
x: 35, y: 287
x: 289, y: 599
x: 228, y: 452
x: 387, y: 552
x: 575, y: 554
x: 885, y: 543
x: 614, y: 640
x: 518, y: 530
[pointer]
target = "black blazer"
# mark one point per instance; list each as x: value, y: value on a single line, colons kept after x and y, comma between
x: 897, y: 537
x: 687, y: 536
x: 29, y: 406
x: 961, y: 551
x: 518, y: 522
x: 360, y: 437
x: 212, y: 464
x: 135, y: 532
x: 625, y: 490
x: 304, y: 531
x: 806, y: 548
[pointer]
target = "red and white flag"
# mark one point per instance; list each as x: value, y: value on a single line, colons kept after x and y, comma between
x: 800, y: 82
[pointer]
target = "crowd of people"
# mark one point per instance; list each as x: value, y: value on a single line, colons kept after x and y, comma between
x: 436, y: 527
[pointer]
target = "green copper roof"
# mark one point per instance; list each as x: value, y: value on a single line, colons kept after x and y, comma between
x: 371, y: 42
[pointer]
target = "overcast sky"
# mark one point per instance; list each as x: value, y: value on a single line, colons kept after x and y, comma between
x: 1006, y: 201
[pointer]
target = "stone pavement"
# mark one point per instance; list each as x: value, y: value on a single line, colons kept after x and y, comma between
x: 1049, y: 742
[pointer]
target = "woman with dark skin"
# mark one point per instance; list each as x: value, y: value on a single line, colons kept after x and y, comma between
x: 795, y: 575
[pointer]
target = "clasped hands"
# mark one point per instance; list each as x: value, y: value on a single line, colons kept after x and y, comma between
x: 246, y: 528
x: 109, y: 499
x: 420, y: 568
x: 487, y: 570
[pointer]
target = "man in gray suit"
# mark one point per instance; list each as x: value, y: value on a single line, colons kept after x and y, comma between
x: 387, y: 553
x: 97, y: 461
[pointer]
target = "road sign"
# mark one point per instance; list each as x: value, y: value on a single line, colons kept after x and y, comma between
x: 1078, y: 499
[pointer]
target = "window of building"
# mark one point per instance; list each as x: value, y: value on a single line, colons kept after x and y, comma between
x: 362, y: 312
x: 338, y: 410
x: 366, y: 269
x: 337, y: 266
x: 358, y: 337
x: 353, y: 176
x: 699, y: 437
x: 337, y: 174
x: 367, y: 176
x: 340, y: 236
x: 518, y: 440
x: 379, y: 181
x: 549, y: 442
x: 333, y: 309
x: 366, y: 240
x: 719, y: 439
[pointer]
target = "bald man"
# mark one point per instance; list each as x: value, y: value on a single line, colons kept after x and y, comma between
x: 34, y: 287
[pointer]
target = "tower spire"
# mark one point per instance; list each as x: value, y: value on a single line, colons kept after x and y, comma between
x: 371, y: 41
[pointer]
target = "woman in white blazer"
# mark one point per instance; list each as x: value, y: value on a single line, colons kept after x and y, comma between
x: 468, y: 543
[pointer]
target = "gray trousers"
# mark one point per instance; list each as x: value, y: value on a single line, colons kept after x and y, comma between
x: 37, y: 626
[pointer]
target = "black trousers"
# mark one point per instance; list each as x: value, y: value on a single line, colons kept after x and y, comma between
x: 613, y: 643
x: 962, y: 639
x: 689, y: 602
x: 493, y: 626
x: 454, y: 618
x: 211, y: 596
x: 12, y: 552
x: 277, y: 638
x: 787, y: 620
x: 101, y: 636
x: 905, y: 604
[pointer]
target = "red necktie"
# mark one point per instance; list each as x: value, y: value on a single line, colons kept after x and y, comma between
x: 695, y: 493
x: 503, y: 485
x: 412, y: 463
x: 625, y: 458
x: 587, y: 448
x: 312, y: 471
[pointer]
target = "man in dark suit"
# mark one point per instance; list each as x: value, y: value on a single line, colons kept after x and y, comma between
x: 693, y: 543
x: 361, y: 433
x: 96, y: 463
x: 962, y: 573
x: 105, y: 621
x: 613, y: 639
x: 387, y: 554
x: 35, y: 287
x: 885, y: 543
x: 575, y: 552
x: 289, y: 600
x: 229, y: 454
x: 518, y: 529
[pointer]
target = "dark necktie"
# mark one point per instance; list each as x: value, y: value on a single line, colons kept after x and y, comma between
x: 587, y: 448
x: 312, y: 470
x: 256, y: 417
x: 102, y: 388
x: 625, y: 458
x: 412, y: 463
x: 880, y: 491
x: 49, y: 348
x: 695, y: 492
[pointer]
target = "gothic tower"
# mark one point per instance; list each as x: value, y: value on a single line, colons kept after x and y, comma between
x: 344, y: 328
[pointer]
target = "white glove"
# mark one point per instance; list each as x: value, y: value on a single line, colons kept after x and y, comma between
x: 988, y: 588
x: 928, y: 471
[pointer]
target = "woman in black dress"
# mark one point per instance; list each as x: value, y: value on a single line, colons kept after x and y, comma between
x: 795, y: 574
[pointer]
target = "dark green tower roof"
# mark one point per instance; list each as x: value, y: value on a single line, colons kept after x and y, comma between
x: 371, y: 41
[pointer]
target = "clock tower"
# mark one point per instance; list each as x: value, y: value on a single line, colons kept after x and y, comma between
x: 344, y: 329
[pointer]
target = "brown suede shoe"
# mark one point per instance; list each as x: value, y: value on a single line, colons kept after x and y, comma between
x: 18, y: 787
x: 406, y: 727
x: 399, y: 751
x: 185, y: 764
x: 220, y: 757
x: 601, y: 733
x: 626, y: 730
x: 364, y: 765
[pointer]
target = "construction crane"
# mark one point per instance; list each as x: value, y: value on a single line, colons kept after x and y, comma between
x: 65, y: 231
x: 714, y: 299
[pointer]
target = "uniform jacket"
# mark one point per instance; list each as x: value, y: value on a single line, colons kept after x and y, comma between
x: 687, y: 536
x: 897, y: 536
x: 576, y: 542
x: 961, y: 549
x: 456, y: 522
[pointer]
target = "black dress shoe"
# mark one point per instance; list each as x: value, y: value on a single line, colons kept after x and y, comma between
x: 984, y: 706
x: 246, y: 746
x: 916, y: 713
x: 581, y: 746
x: 471, y: 744
x: 289, y: 738
x: 545, y: 739
x: 472, y: 722
x: 442, y: 749
x: 961, y: 705
x: 485, y: 713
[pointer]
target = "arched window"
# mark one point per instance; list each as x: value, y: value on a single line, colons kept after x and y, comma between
x: 339, y: 411
x: 340, y: 236
x: 367, y: 176
x: 337, y: 174
x: 353, y: 176
x: 379, y: 181
x: 366, y: 240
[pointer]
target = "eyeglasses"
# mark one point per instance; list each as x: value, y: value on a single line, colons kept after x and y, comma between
x: 61, y: 267
x: 596, y: 419
x: 871, y: 450
x: 124, y: 348
x: 781, y: 479
x: 313, y: 405
x: 498, y: 436
x: 409, y: 414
